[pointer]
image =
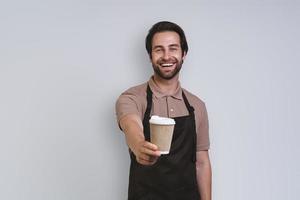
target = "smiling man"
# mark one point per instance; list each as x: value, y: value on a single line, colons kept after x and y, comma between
x: 166, y: 64
x: 184, y: 173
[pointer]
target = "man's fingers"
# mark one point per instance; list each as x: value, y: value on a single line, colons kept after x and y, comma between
x: 148, y: 158
x: 146, y: 162
x: 150, y: 149
x: 147, y: 153
x: 151, y: 146
x: 150, y: 152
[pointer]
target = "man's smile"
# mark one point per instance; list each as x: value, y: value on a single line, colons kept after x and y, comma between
x: 167, y: 64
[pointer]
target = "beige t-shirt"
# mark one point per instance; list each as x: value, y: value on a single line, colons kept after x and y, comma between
x: 134, y: 101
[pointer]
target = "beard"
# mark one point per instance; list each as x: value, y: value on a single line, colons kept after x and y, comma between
x: 170, y: 75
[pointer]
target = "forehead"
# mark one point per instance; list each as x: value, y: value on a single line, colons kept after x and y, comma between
x: 165, y: 38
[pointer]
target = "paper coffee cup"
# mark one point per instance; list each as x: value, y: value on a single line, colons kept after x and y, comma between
x: 161, y: 132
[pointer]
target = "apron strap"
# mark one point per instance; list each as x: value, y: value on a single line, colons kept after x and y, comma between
x: 147, y: 112
x: 192, y: 115
x: 189, y: 107
x: 149, y: 101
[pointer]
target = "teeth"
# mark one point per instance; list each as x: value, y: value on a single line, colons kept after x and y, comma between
x: 167, y: 65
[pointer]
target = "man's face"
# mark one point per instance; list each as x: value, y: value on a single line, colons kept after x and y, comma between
x: 166, y: 56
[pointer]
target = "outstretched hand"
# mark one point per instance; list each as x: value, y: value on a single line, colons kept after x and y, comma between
x: 146, y: 153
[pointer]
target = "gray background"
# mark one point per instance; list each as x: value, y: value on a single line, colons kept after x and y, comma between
x: 64, y: 63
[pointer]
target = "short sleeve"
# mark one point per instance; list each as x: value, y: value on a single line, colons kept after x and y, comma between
x: 128, y: 103
x: 202, y: 128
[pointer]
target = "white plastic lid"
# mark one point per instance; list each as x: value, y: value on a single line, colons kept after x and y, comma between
x: 161, y: 120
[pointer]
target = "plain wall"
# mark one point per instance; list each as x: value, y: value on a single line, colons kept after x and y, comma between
x: 64, y: 63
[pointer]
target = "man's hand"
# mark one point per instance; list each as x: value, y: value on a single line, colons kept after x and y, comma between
x: 146, y: 153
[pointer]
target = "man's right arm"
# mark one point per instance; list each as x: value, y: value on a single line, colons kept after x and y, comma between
x: 145, y: 152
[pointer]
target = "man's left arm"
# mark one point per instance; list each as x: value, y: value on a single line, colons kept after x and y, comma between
x: 204, y: 174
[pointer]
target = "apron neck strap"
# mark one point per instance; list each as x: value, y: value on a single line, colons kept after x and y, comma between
x: 149, y: 103
x: 189, y: 107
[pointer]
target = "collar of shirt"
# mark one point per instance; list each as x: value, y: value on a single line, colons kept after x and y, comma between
x: 159, y: 94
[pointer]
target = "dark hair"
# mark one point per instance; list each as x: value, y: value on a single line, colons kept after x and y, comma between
x: 162, y: 27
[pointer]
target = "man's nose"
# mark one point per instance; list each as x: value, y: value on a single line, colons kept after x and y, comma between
x: 166, y: 55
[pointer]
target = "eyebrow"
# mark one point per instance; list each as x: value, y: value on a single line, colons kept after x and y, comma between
x: 171, y: 45
x: 174, y: 45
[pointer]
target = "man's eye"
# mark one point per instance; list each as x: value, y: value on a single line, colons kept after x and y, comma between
x: 173, y: 49
x: 158, y: 50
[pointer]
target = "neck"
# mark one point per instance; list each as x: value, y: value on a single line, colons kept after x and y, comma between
x: 167, y: 86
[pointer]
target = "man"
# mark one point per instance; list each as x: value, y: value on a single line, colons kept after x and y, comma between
x: 185, y: 173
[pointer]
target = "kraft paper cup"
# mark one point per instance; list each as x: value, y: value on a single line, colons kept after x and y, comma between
x: 161, y: 132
